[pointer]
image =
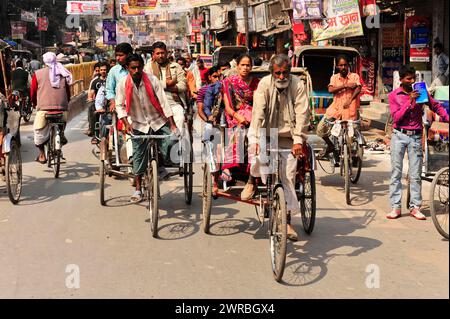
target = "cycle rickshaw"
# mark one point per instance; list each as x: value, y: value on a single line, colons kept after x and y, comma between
x: 114, y: 162
x: 10, y: 156
x: 270, y: 203
x: 348, y: 140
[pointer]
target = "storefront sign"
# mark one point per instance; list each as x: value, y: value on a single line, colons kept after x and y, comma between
x: 419, y: 37
x: 307, y: 9
x: 419, y: 54
x: 126, y: 11
x: 109, y: 32
x: 343, y: 20
x: 202, y: 3
x: 392, y: 52
x: 84, y: 7
x: 367, y: 68
x: 142, y: 4
x: 42, y: 24
x: 199, y: 38
x: 18, y: 29
x: 300, y: 35
x: 28, y: 16
x: 196, y: 26
x: 108, y: 9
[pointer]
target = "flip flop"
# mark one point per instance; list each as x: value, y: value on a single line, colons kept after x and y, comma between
x: 136, y: 197
x: 226, y: 177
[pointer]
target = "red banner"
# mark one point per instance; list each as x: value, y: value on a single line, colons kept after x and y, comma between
x: 196, y: 26
x: 42, y: 24
x: 367, y: 68
x: 420, y: 54
x: 199, y: 38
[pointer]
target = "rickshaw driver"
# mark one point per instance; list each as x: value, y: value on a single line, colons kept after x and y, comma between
x: 345, y: 87
x: 281, y: 102
x: 142, y: 106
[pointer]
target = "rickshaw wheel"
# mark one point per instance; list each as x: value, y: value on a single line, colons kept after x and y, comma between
x: 439, y: 204
x: 347, y: 175
x: 278, y: 233
x: 207, y: 198
x: 152, y: 196
x: 307, y: 198
x: 357, y: 160
x: 189, y: 177
x: 102, y: 173
x: 13, y: 170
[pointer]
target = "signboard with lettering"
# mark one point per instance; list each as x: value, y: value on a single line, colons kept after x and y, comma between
x: 343, y: 20
x: 84, y: 7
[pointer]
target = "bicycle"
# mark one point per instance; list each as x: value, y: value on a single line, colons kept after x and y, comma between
x: 439, y: 203
x: 53, y: 147
x: 150, y: 182
x: 10, y: 156
x: 349, y: 154
x: 271, y: 201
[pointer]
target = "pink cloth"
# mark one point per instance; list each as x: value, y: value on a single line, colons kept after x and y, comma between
x: 56, y: 70
x: 240, y: 96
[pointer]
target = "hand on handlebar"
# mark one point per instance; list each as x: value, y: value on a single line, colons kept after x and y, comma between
x: 127, y: 125
x: 112, y: 105
x: 176, y: 131
x: 297, y: 150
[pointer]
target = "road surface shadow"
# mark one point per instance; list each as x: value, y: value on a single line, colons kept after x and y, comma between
x: 308, y: 259
x: 46, y: 189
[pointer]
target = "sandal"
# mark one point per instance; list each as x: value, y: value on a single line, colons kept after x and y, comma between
x: 215, y: 189
x: 226, y: 177
x: 136, y: 197
x: 41, y: 161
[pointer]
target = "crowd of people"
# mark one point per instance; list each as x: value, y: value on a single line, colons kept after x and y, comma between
x: 151, y: 93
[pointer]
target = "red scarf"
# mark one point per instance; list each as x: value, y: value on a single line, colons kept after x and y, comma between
x: 148, y: 87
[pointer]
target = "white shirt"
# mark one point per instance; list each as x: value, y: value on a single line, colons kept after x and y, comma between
x: 143, y: 115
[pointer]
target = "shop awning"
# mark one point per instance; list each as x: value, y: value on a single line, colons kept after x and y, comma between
x: 277, y: 30
x: 228, y: 27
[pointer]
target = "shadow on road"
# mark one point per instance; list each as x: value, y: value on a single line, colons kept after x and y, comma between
x: 307, y: 260
x: 47, y: 189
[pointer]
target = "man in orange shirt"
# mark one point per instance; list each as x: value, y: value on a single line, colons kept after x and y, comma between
x: 345, y: 87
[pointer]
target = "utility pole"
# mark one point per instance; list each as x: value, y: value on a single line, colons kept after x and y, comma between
x: 247, y: 36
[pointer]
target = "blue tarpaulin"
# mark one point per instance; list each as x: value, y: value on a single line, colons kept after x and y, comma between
x: 10, y: 42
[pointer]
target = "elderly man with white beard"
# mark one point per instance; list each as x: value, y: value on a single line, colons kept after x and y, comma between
x: 281, y: 103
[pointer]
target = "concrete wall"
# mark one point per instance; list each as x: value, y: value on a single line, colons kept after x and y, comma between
x: 76, y: 105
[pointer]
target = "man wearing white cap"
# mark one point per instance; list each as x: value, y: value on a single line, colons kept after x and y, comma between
x: 49, y: 92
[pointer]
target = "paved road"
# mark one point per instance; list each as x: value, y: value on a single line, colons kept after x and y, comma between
x: 59, y: 230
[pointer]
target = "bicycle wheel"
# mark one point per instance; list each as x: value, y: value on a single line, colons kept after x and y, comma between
x: 346, y: 161
x: 439, y: 201
x: 278, y: 233
x: 357, y: 162
x: 308, y: 202
x: 56, y: 159
x: 13, y: 165
x: 188, y: 176
x: 152, y: 196
x: 102, y: 173
x: 207, y: 197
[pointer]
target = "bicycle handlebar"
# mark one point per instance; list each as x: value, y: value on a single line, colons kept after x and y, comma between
x: 344, y: 121
x: 155, y: 137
